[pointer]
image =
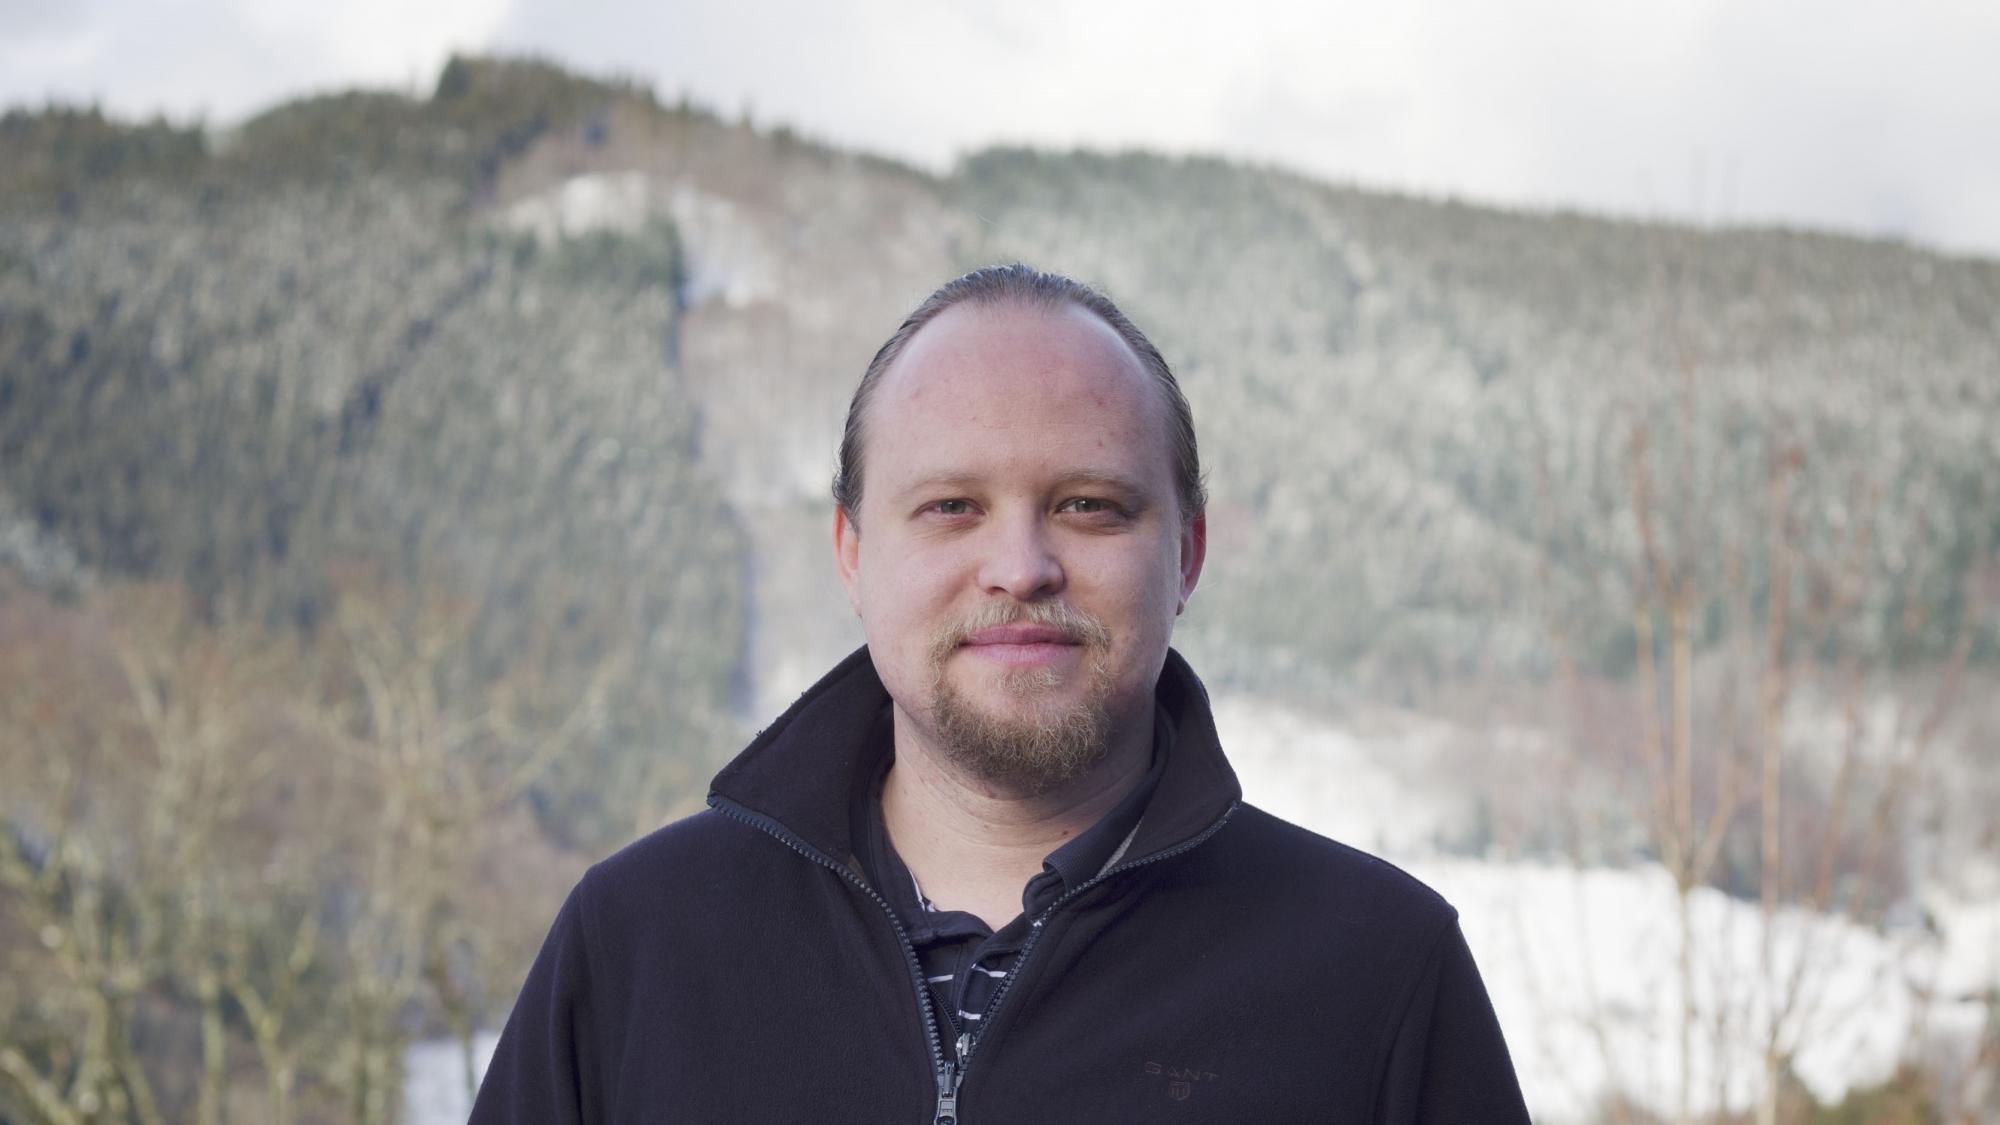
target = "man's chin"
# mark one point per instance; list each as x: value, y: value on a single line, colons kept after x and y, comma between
x: 1010, y: 715
x: 1018, y: 730
x: 1001, y: 688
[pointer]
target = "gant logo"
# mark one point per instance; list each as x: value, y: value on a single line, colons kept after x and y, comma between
x: 1181, y: 1080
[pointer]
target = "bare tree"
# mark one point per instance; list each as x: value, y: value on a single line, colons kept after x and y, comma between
x: 1735, y: 607
x: 298, y: 853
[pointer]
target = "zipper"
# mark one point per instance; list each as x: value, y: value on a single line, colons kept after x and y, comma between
x: 950, y: 1074
x: 948, y: 1080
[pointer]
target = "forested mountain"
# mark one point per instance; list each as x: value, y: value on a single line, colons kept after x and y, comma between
x: 535, y: 384
x: 1419, y: 415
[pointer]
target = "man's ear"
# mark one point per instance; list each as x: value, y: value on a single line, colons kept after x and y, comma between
x: 1194, y: 551
x: 847, y: 554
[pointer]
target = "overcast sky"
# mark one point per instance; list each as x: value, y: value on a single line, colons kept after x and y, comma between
x: 1858, y: 115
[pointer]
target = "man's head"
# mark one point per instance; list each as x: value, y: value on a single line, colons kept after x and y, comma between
x: 1033, y: 515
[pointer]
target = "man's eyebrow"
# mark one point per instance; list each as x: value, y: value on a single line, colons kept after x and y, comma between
x: 1101, y: 479
x: 1068, y: 479
x: 936, y: 481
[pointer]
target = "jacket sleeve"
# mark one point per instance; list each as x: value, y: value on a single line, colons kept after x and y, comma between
x: 540, y: 1066
x: 1448, y: 1062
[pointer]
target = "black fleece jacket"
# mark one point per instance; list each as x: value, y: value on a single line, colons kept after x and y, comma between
x: 736, y: 967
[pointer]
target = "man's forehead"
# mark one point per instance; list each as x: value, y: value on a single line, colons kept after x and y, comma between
x: 1014, y: 348
x: 1017, y: 395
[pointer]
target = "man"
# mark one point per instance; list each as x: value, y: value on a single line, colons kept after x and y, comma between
x: 994, y: 867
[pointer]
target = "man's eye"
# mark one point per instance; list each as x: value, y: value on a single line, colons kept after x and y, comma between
x: 1088, y: 506
x: 952, y: 507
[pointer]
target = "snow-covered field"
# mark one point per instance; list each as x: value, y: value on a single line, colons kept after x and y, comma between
x: 1582, y: 963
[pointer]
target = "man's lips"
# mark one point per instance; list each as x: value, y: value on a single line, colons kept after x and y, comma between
x: 1022, y: 645
x: 1019, y: 635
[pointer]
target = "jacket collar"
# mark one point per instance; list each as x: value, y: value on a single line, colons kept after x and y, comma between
x: 802, y: 770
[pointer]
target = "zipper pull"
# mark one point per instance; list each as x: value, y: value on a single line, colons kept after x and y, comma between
x: 947, y: 1107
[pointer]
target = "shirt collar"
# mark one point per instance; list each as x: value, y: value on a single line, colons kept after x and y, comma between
x: 1076, y: 862
x: 1096, y: 849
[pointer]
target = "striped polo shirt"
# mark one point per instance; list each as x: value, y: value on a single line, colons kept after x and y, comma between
x: 963, y: 959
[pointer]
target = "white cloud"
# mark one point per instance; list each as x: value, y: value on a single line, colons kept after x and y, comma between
x: 1842, y: 115
x: 226, y: 59
x: 379, y: 41
x: 1714, y: 110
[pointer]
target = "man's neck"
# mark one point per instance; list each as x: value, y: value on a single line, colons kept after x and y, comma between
x: 973, y: 845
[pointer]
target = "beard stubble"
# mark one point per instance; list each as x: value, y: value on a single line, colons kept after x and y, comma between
x: 1044, y: 743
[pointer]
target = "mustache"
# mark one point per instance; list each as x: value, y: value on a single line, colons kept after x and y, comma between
x: 1072, y: 623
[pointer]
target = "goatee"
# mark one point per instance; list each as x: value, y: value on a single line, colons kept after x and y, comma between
x: 1042, y: 743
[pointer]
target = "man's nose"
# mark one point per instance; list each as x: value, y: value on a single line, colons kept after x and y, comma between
x: 1021, y: 560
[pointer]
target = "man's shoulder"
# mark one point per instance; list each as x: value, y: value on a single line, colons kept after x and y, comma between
x: 681, y: 863
x: 1276, y: 860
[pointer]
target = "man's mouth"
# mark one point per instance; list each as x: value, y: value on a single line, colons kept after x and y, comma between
x: 1021, y: 634
x: 1021, y: 643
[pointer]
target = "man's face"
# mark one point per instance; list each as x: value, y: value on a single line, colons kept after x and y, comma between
x: 1019, y: 556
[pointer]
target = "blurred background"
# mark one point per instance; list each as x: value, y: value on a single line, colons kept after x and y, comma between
x: 415, y: 428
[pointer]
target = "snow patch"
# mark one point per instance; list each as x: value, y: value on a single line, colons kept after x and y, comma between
x: 1584, y: 969
x: 1583, y: 964
x: 619, y: 202
x: 1360, y: 791
x: 434, y: 1090
x: 728, y: 256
